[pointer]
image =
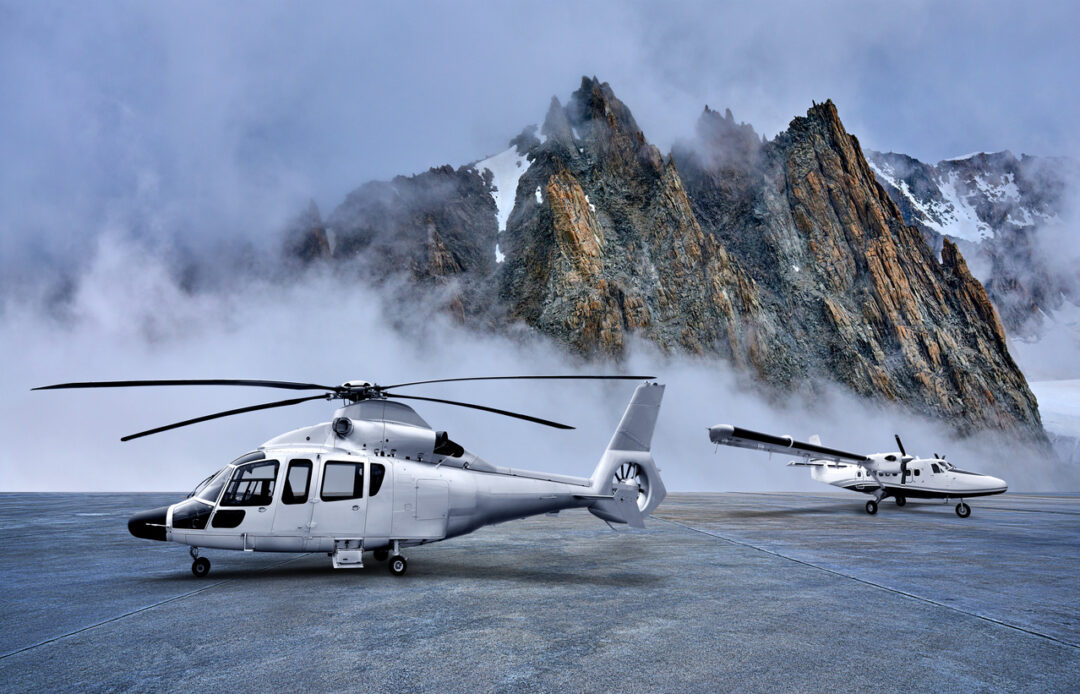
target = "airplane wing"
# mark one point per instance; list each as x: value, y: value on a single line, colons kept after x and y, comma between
x: 729, y: 435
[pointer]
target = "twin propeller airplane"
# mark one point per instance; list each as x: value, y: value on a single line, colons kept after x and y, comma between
x: 378, y: 478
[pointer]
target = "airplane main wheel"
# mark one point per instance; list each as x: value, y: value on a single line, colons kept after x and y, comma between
x: 381, y: 554
x: 901, y: 500
x: 871, y: 507
x: 963, y: 510
x: 397, y: 565
x: 200, y: 567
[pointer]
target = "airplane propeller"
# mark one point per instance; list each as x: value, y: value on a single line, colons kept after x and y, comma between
x: 351, y: 391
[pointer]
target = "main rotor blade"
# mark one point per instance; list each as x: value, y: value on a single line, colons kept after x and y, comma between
x: 901, y: 445
x: 516, y: 415
x: 525, y: 378
x: 228, y: 413
x: 290, y: 385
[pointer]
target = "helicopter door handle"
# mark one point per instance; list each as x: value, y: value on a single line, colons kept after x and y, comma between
x: 356, y: 508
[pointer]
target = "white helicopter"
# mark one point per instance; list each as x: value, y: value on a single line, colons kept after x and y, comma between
x: 378, y: 477
x: 898, y: 475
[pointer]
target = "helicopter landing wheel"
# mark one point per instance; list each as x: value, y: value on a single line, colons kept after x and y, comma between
x: 901, y: 500
x: 963, y: 510
x: 381, y: 554
x: 200, y: 567
x: 397, y: 565
x: 871, y: 507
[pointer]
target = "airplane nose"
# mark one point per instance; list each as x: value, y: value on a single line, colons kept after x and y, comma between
x: 149, y: 525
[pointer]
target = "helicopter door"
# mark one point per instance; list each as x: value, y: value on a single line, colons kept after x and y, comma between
x: 341, y: 512
x: 292, y: 520
x: 380, y: 503
x: 246, y: 507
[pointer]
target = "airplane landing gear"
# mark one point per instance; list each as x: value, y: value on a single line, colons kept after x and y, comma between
x: 963, y: 510
x: 871, y: 507
x: 397, y: 565
x: 200, y: 567
x: 381, y: 554
x: 901, y: 500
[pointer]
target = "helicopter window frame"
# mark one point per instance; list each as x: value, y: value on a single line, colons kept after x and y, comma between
x: 210, y: 492
x: 334, y: 494
x: 261, y: 493
x: 288, y: 495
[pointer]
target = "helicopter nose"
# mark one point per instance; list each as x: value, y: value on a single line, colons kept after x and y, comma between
x: 149, y: 525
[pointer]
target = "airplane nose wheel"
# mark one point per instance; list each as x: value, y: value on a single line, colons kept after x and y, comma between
x: 200, y: 567
x: 397, y: 565
x: 963, y: 510
x: 871, y: 507
x: 901, y: 500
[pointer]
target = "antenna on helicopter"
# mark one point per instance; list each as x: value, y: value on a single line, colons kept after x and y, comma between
x: 351, y: 391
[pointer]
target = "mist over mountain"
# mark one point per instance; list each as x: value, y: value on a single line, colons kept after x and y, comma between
x: 783, y: 257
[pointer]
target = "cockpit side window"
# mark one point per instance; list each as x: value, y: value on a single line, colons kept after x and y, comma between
x: 935, y: 467
x: 252, y: 485
x: 378, y: 472
x: 296, y: 482
x: 342, y: 481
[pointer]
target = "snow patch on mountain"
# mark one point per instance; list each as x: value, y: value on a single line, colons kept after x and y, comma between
x: 506, y: 169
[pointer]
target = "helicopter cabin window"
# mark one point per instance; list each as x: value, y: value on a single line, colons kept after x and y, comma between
x: 296, y: 482
x: 935, y: 467
x: 252, y: 485
x: 378, y: 472
x: 342, y: 481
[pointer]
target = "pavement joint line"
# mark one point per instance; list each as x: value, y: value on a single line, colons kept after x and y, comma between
x: 144, y: 608
x: 868, y: 582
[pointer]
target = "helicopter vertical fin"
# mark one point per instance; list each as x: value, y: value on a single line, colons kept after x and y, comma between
x: 627, y: 463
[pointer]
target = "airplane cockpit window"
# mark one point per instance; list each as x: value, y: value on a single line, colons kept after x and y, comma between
x: 342, y: 481
x: 934, y: 467
x: 378, y: 472
x: 213, y: 486
x: 296, y: 482
x: 252, y: 485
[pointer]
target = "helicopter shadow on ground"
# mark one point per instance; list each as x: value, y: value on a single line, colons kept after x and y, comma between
x: 419, y: 569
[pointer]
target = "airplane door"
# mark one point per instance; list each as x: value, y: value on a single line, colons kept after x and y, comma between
x: 380, y: 501
x: 341, y: 511
x: 292, y: 519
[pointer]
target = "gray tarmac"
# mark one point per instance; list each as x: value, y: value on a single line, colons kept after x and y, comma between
x: 722, y: 592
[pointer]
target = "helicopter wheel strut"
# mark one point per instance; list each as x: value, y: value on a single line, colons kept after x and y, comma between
x: 871, y: 507
x: 963, y: 510
x: 200, y: 567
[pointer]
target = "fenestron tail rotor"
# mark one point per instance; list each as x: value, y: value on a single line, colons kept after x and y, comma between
x: 350, y: 391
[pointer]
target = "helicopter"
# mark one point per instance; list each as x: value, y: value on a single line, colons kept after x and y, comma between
x: 897, y: 474
x: 378, y: 478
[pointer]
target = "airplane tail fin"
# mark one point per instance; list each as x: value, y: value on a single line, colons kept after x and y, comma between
x: 626, y: 482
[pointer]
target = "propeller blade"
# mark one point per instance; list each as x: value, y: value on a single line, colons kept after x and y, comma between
x: 524, y: 378
x: 227, y: 413
x: 516, y: 415
x: 290, y: 385
x: 900, y: 444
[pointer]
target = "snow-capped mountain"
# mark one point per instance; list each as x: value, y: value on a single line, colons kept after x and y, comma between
x: 1012, y: 217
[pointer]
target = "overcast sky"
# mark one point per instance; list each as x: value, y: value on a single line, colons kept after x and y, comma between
x: 202, y: 119
x: 125, y: 125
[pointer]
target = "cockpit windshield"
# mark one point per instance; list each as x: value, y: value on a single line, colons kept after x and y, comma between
x: 210, y: 490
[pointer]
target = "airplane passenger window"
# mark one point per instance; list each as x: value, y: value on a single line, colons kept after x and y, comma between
x: 342, y: 481
x: 916, y: 472
x: 378, y: 472
x: 251, y: 485
x: 296, y: 482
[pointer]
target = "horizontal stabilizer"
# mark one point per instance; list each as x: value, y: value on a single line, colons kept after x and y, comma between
x: 620, y: 507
